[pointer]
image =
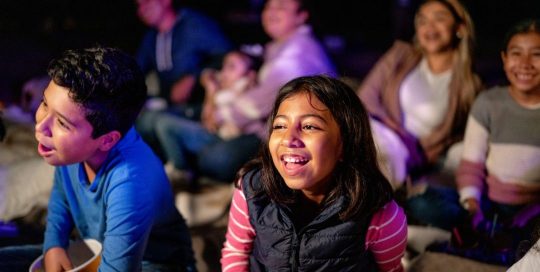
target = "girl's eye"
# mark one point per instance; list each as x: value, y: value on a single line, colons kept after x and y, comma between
x: 310, y: 127
x: 278, y: 126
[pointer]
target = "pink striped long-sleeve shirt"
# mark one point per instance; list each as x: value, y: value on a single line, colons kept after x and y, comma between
x: 386, y: 237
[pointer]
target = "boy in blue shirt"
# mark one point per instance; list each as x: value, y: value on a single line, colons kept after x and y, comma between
x: 108, y: 183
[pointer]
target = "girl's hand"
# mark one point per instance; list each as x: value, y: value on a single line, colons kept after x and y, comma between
x: 56, y: 259
x: 475, y: 212
x: 525, y: 215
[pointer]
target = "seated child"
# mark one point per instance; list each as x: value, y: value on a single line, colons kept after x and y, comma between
x: 238, y: 73
x: 108, y: 184
x: 315, y: 199
x: 502, y: 146
x: 184, y: 138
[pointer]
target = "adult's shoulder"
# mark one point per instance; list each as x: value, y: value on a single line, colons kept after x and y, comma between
x: 402, y: 48
x: 193, y: 16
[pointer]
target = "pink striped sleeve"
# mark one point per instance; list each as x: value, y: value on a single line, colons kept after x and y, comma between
x: 239, y: 237
x: 386, y: 237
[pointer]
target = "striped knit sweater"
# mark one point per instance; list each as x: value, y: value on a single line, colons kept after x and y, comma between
x: 501, y: 150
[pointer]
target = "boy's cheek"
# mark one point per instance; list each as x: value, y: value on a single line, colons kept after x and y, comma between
x: 40, y: 114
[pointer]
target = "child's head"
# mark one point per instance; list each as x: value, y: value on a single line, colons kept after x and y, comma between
x: 106, y: 82
x: 521, y: 57
x: 237, y: 65
x: 321, y: 146
x: 93, y: 99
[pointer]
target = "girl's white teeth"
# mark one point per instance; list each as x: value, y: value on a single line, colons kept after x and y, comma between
x: 294, y: 159
x: 522, y: 76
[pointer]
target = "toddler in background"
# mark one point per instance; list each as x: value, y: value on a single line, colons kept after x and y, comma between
x: 238, y: 74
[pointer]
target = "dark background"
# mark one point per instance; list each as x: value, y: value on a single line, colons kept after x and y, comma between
x: 356, y: 32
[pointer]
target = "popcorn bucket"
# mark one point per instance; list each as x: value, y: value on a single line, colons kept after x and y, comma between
x: 85, y: 255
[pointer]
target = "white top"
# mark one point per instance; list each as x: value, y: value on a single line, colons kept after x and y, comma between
x: 424, y: 99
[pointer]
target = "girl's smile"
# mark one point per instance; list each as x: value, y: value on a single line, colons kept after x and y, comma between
x: 293, y: 163
x: 521, y: 61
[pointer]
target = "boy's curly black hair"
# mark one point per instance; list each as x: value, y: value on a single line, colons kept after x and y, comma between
x: 106, y: 82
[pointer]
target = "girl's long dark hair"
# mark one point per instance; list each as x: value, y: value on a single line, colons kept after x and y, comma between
x: 357, y: 176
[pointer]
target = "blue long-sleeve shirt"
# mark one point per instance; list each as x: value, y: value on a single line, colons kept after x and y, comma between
x: 129, y: 208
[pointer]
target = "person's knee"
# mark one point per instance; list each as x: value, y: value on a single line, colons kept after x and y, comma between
x: 167, y: 126
x: 224, y: 159
x: 436, y: 206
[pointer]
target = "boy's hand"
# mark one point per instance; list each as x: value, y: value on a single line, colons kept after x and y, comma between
x: 56, y: 259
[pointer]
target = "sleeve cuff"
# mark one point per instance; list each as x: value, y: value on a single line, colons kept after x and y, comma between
x: 54, y: 242
x: 469, y: 192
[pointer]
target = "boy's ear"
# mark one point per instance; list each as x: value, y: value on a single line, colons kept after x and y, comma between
x: 109, y: 140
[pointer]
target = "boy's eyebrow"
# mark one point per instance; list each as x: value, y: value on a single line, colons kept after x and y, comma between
x: 66, y: 119
x: 60, y: 114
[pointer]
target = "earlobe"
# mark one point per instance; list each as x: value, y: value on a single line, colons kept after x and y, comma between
x: 109, y: 140
x: 460, y: 31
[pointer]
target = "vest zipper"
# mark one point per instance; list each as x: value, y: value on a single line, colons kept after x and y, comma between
x: 294, y: 255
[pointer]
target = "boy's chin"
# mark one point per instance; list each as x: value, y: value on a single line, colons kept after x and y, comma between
x: 53, y: 161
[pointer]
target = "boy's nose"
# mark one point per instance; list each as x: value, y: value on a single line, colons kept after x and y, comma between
x: 43, y: 126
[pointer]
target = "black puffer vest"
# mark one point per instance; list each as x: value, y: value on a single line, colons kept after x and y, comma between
x: 325, y: 244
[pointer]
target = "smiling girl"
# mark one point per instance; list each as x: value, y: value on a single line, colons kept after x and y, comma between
x: 315, y: 199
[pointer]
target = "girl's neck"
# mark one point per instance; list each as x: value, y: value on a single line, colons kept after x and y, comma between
x: 440, y: 62
x: 530, y: 99
x: 168, y: 21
